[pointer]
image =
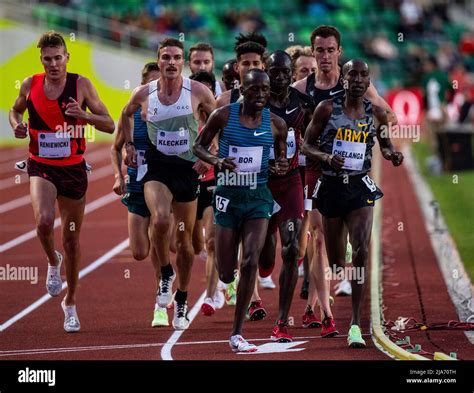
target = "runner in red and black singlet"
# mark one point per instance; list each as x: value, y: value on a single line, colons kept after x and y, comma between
x: 56, y: 102
x: 287, y: 190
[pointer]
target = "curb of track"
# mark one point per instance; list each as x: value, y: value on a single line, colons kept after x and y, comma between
x: 379, y: 338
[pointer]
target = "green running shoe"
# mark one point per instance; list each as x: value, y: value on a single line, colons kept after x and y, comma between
x: 354, y: 337
x: 160, y: 317
x: 349, y: 252
x: 231, y: 291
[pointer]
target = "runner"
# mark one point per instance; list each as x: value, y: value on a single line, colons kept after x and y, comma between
x: 243, y: 203
x: 171, y: 108
x: 293, y: 107
x: 341, y: 136
x: 57, y: 103
x: 303, y: 61
x: 229, y: 74
x: 133, y: 197
x: 201, y: 58
x: 204, y: 218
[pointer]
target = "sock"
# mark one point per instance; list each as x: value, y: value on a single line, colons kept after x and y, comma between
x: 180, y: 296
x: 167, y: 271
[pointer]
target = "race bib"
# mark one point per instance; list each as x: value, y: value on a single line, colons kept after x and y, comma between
x: 290, y: 145
x: 222, y: 203
x: 172, y: 143
x: 140, y: 157
x: 247, y: 159
x: 352, y: 152
x: 369, y: 183
x: 316, y: 189
x: 302, y: 160
x: 52, y: 146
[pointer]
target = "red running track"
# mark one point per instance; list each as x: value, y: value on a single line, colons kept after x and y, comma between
x: 115, y: 301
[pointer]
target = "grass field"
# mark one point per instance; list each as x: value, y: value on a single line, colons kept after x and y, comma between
x: 454, y: 192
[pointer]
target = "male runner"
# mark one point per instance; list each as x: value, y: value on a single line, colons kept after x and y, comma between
x: 201, y: 58
x: 229, y: 75
x: 243, y: 203
x: 341, y: 136
x: 56, y: 102
x: 171, y: 109
x: 287, y: 190
x: 133, y: 196
x: 303, y: 61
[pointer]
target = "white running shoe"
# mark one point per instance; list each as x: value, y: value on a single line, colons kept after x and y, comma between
x: 301, y: 271
x: 71, y: 320
x: 218, y: 299
x: 165, y: 294
x: 238, y: 344
x: 54, y: 283
x: 180, y: 320
x: 343, y: 288
x: 266, y: 282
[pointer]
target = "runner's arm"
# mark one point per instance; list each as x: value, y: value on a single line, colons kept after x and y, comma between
x: 98, y: 116
x: 321, y: 116
x: 207, y: 101
x: 377, y: 100
x: 15, y: 116
x: 223, y: 99
x: 137, y: 98
x: 280, y: 134
x: 213, y: 127
x: 116, y: 158
x: 386, y: 147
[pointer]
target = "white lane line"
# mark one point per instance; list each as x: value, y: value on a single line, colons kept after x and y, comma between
x: 84, y: 272
x: 166, y: 350
x: 90, y: 207
x: 26, y: 200
x: 40, y: 351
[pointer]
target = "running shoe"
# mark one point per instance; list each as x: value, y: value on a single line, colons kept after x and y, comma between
x: 329, y: 328
x: 310, y: 320
x: 280, y: 333
x: 165, y: 295
x: 304, y: 290
x: 160, y: 317
x: 256, y: 311
x: 238, y: 344
x: 348, y: 252
x: 54, y: 283
x: 180, y: 320
x: 71, y: 320
x: 354, y: 337
x: 218, y: 299
x: 266, y: 282
x: 231, y: 291
x: 343, y: 288
x: 208, y: 308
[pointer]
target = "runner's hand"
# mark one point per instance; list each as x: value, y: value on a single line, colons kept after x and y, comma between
x: 130, y: 156
x: 281, y: 164
x: 396, y: 158
x: 73, y: 109
x: 201, y: 167
x: 119, y: 185
x: 336, y: 162
x: 21, y: 130
x: 226, y: 164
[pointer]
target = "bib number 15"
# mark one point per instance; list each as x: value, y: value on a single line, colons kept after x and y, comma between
x: 221, y: 203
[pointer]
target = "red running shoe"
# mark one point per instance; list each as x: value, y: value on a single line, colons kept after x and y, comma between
x: 310, y: 320
x: 280, y: 333
x: 256, y: 312
x: 329, y: 328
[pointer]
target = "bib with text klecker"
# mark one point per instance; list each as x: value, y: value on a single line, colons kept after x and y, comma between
x: 52, y: 146
x: 247, y: 159
x: 352, y: 152
x: 172, y: 143
x: 290, y: 146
